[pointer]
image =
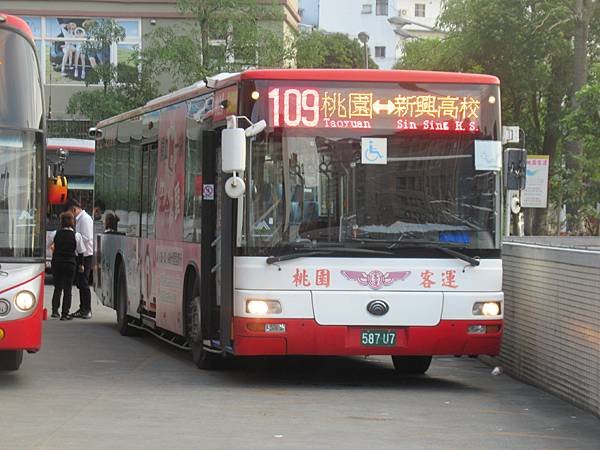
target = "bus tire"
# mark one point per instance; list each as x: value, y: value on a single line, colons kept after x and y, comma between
x: 202, y: 358
x: 11, y: 359
x: 121, y: 304
x: 411, y: 365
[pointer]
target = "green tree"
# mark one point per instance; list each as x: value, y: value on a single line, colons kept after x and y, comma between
x: 133, y: 89
x: 318, y: 49
x: 582, y: 124
x: 102, y: 34
x: 528, y: 44
x: 224, y: 36
x: 124, y: 86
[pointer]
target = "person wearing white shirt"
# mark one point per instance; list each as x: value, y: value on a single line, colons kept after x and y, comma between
x: 84, y: 225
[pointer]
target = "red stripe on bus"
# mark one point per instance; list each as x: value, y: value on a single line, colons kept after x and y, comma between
x: 19, y: 24
x: 22, y: 283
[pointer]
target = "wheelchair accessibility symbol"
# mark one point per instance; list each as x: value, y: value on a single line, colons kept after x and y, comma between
x: 374, y: 151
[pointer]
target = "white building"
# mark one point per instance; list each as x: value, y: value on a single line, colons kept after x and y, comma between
x: 309, y: 13
x: 412, y: 19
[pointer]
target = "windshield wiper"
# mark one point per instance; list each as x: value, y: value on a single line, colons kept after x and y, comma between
x: 301, y: 252
x: 442, y: 248
x: 473, y: 261
x: 288, y: 256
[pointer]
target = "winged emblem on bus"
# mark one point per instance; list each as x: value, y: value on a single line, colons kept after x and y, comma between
x: 375, y: 279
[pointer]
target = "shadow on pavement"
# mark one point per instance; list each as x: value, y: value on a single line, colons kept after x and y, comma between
x: 360, y: 372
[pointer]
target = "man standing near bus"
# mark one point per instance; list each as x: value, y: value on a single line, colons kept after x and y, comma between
x: 84, y: 225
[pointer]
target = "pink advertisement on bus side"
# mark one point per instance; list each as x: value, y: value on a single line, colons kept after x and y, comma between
x: 170, y: 179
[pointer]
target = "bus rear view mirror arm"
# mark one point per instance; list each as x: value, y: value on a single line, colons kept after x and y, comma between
x: 255, y: 129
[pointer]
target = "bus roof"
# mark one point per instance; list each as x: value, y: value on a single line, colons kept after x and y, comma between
x: 17, y: 23
x: 390, y: 76
x: 186, y: 93
x: 72, y: 145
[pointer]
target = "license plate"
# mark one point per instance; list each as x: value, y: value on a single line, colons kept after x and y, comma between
x: 378, y: 338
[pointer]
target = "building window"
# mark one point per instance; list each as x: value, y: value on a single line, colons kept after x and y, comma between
x: 60, y: 42
x: 379, y: 52
x: 381, y: 7
x: 367, y: 8
x: 419, y: 9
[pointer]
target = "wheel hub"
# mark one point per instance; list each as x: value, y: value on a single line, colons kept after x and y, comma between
x: 195, y: 320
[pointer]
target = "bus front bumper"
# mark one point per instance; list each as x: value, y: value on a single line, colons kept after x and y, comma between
x: 307, y: 337
x: 25, y: 333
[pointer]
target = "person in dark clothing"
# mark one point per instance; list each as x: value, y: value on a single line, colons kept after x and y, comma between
x: 67, y: 255
x: 111, y: 223
x: 84, y: 225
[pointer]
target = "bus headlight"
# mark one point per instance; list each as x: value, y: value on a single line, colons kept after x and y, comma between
x: 262, y: 307
x: 486, y: 309
x: 4, y: 307
x: 25, y: 300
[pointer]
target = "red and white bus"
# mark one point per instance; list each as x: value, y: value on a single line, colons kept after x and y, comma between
x: 74, y: 159
x: 363, y: 216
x: 22, y: 190
x: 78, y: 167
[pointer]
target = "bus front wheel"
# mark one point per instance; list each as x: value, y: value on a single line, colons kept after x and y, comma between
x: 123, y: 324
x: 201, y: 357
x: 411, y: 365
x: 11, y: 359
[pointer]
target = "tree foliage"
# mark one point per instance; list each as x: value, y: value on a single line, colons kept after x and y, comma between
x: 225, y: 36
x: 131, y: 89
x: 318, y: 49
x: 582, y: 124
x: 124, y: 86
x: 102, y: 34
x: 528, y: 44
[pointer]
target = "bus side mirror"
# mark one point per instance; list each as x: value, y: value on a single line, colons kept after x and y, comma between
x: 255, y: 128
x: 233, y: 150
x: 233, y: 159
x: 515, y: 168
x: 95, y: 133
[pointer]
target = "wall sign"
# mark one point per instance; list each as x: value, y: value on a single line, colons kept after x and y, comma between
x: 535, y: 194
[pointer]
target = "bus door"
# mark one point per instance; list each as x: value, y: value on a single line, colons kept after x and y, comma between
x: 210, y: 240
x: 147, y: 248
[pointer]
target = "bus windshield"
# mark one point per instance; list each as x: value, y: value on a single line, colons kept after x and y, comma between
x: 384, y: 187
x: 21, y: 176
x: 316, y: 189
x: 21, y: 150
x: 21, y: 104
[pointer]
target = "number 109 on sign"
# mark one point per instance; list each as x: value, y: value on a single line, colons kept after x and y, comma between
x: 297, y: 108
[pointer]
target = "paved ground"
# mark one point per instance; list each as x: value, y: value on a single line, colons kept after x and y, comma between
x: 90, y: 388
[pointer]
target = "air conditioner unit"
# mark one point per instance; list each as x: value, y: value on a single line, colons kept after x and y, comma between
x: 403, y: 12
x: 367, y: 8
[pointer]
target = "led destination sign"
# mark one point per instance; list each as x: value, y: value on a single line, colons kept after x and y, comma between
x: 378, y: 108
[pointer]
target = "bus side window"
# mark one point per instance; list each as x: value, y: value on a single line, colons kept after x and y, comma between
x: 135, y: 180
x: 193, y: 184
x: 123, y: 173
x: 149, y: 161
